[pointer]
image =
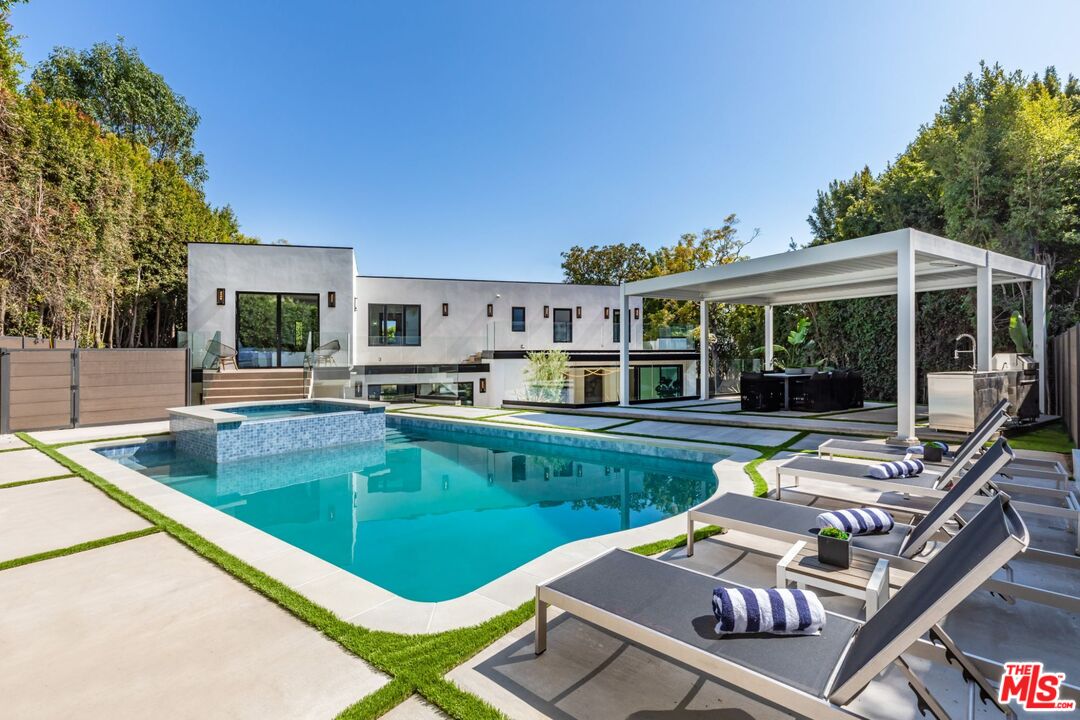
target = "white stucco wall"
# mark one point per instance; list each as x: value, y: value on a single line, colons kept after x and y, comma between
x: 468, y: 329
x: 267, y: 268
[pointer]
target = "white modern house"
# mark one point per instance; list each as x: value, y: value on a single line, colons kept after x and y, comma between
x: 405, y: 339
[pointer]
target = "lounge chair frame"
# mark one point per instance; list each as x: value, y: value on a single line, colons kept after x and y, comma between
x: 836, y: 696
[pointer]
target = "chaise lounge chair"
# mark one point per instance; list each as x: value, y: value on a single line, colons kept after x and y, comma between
x: 1061, y: 504
x: 665, y: 607
x: 970, y: 448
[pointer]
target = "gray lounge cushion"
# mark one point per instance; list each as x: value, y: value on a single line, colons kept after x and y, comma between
x: 677, y: 603
x: 793, y: 518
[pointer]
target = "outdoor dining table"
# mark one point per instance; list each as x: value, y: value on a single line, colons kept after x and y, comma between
x: 787, y: 378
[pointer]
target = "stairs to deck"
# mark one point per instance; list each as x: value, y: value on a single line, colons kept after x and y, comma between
x: 248, y: 385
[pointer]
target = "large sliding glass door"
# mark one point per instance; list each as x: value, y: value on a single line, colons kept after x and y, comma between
x: 275, y: 329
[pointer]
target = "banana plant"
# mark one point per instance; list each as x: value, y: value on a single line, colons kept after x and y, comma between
x: 1019, y: 333
x: 799, y: 350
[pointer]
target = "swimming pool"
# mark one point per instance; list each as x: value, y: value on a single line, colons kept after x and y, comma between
x: 432, y: 514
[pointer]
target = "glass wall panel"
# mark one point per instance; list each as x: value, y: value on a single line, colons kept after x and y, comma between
x: 656, y: 382
x: 563, y: 326
x: 273, y: 330
x: 393, y: 324
x: 256, y: 330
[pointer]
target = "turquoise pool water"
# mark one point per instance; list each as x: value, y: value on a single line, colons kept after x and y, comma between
x: 285, y: 410
x: 431, y: 515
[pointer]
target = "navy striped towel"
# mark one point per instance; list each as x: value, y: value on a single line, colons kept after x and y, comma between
x: 909, y: 467
x: 860, y: 521
x: 779, y: 612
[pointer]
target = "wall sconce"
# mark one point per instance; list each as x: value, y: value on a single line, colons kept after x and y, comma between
x: 331, y: 299
x: 483, y: 385
x: 578, y: 312
x: 221, y: 296
x: 445, y: 309
x: 637, y: 313
x: 547, y: 311
x: 607, y: 313
x: 491, y: 310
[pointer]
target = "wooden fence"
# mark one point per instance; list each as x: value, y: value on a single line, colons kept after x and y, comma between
x: 1065, y: 379
x: 46, y: 388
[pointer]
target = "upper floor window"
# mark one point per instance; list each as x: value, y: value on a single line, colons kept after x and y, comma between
x: 517, y: 319
x: 616, y: 326
x: 563, y: 326
x: 393, y: 324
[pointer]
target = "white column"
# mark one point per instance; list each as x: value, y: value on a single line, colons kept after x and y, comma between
x: 703, y: 349
x: 1038, y: 334
x: 905, y: 344
x: 984, y: 318
x: 624, y: 347
x: 768, y: 338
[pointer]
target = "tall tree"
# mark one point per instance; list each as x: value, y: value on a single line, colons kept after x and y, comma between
x: 113, y: 85
x: 605, y: 265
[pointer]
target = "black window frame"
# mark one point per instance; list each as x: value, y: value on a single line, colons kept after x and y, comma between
x: 616, y: 326
x: 277, y: 322
x: 404, y: 334
x: 555, y: 324
x: 514, y: 321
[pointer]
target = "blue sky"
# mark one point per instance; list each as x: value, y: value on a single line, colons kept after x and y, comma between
x: 481, y: 139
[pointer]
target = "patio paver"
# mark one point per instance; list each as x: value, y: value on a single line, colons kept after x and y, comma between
x: 100, y: 432
x: 58, y: 514
x: 19, y: 465
x: 10, y: 442
x: 466, y: 412
x: 559, y: 420
x: 415, y: 708
x: 126, y: 630
x: 708, y: 433
x: 811, y: 441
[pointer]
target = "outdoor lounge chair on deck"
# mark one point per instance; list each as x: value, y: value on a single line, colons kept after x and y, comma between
x: 665, y: 607
x: 1061, y: 504
x: 791, y: 522
x: 972, y: 445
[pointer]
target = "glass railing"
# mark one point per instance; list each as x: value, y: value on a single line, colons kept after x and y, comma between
x: 671, y: 337
x: 209, y: 352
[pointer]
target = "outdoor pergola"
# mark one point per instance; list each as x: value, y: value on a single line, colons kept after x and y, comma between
x: 901, y: 263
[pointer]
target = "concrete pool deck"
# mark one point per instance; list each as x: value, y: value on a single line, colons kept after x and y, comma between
x: 359, y: 601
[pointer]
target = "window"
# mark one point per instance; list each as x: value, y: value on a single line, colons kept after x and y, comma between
x: 275, y: 329
x: 517, y: 319
x: 563, y: 326
x: 655, y: 382
x: 393, y: 324
x: 616, y: 326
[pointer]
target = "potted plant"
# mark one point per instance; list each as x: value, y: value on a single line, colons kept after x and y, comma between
x: 933, y: 451
x: 834, y: 547
x: 800, y: 348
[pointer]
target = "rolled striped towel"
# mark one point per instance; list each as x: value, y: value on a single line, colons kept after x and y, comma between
x: 779, y: 612
x: 859, y: 521
x: 909, y: 467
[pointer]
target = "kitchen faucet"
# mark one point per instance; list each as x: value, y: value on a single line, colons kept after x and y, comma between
x: 957, y: 350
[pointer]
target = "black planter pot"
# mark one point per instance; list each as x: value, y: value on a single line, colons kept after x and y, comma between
x: 834, y: 551
x: 932, y: 453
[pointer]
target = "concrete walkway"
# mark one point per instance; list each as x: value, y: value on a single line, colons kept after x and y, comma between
x: 144, y: 627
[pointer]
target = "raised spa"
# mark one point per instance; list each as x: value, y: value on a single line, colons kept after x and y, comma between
x: 227, y: 433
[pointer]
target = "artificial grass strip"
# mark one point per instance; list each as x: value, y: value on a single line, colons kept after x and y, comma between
x: 81, y: 547
x: 20, y: 483
x: 761, y: 486
x: 378, y: 703
x: 1049, y: 438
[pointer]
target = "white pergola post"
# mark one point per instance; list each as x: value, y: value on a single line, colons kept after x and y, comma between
x: 703, y: 350
x: 768, y: 338
x: 905, y: 343
x: 984, y: 317
x: 1038, y: 333
x: 624, y: 346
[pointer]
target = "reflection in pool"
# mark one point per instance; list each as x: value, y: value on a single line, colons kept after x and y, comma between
x: 431, y: 515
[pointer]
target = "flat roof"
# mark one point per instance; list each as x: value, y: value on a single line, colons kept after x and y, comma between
x: 863, y: 267
x: 484, y: 280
